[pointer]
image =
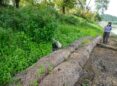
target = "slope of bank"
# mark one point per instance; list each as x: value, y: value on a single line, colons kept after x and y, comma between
x: 25, y: 37
x: 100, y: 70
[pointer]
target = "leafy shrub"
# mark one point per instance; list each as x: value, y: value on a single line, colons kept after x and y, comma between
x: 98, y: 17
x: 36, y: 22
x: 17, y: 52
x: 88, y: 15
x: 5, y: 41
x: 25, y: 36
x: 69, y: 19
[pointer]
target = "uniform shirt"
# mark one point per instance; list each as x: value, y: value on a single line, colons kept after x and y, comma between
x: 108, y: 29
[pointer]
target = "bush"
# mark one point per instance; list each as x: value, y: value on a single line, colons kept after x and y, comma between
x: 17, y: 52
x: 36, y: 22
x: 25, y: 36
x: 69, y: 19
x: 98, y: 17
x: 88, y: 15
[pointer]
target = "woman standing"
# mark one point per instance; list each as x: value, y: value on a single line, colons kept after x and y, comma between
x: 107, y: 31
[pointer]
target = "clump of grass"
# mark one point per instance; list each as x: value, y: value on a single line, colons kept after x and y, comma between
x: 35, y: 83
x: 86, y: 42
x: 66, y: 33
x: 85, y: 83
x: 41, y: 70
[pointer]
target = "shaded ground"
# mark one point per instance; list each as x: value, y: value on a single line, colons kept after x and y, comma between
x: 101, y: 69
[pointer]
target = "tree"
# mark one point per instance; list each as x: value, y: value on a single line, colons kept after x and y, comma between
x: 4, y: 2
x: 82, y: 3
x: 63, y: 4
x: 7, y: 2
x: 102, y: 5
x: 87, y: 6
x: 1, y: 2
x: 17, y: 3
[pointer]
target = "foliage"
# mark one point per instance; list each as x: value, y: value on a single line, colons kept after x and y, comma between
x: 33, y: 22
x: 3, y: 2
x: 67, y: 33
x: 88, y: 15
x: 24, y: 37
x: 98, y: 17
x: 63, y: 4
x: 26, y: 33
x: 17, y: 52
x: 69, y: 19
x: 102, y: 5
x: 81, y: 4
x: 85, y: 82
x: 35, y: 83
x: 41, y: 70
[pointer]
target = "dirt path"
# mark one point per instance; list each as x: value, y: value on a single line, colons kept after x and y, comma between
x: 101, y: 69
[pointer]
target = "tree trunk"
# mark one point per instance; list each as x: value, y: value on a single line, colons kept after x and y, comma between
x: 17, y: 3
x: 107, y: 46
x: 1, y: 2
x: 88, y: 4
x: 81, y: 4
x: 63, y: 10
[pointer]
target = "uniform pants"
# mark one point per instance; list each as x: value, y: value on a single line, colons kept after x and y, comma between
x: 106, y: 37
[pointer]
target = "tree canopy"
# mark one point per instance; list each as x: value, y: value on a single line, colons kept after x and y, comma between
x: 102, y: 5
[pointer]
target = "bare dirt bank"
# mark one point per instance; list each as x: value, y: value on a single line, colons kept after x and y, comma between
x: 101, y: 68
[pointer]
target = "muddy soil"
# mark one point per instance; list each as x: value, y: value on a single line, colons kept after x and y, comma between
x: 101, y: 68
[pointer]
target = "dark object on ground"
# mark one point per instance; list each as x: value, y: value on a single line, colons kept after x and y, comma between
x: 107, y: 46
x: 56, y: 45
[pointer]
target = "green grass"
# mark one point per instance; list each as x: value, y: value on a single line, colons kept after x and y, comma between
x: 66, y: 33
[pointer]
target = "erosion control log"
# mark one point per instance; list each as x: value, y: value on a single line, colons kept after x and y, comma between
x: 68, y: 72
x: 39, y: 70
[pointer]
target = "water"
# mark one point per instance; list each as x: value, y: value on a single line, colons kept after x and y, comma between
x: 114, y: 31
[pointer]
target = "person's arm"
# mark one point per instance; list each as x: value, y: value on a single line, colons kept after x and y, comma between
x: 110, y: 28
